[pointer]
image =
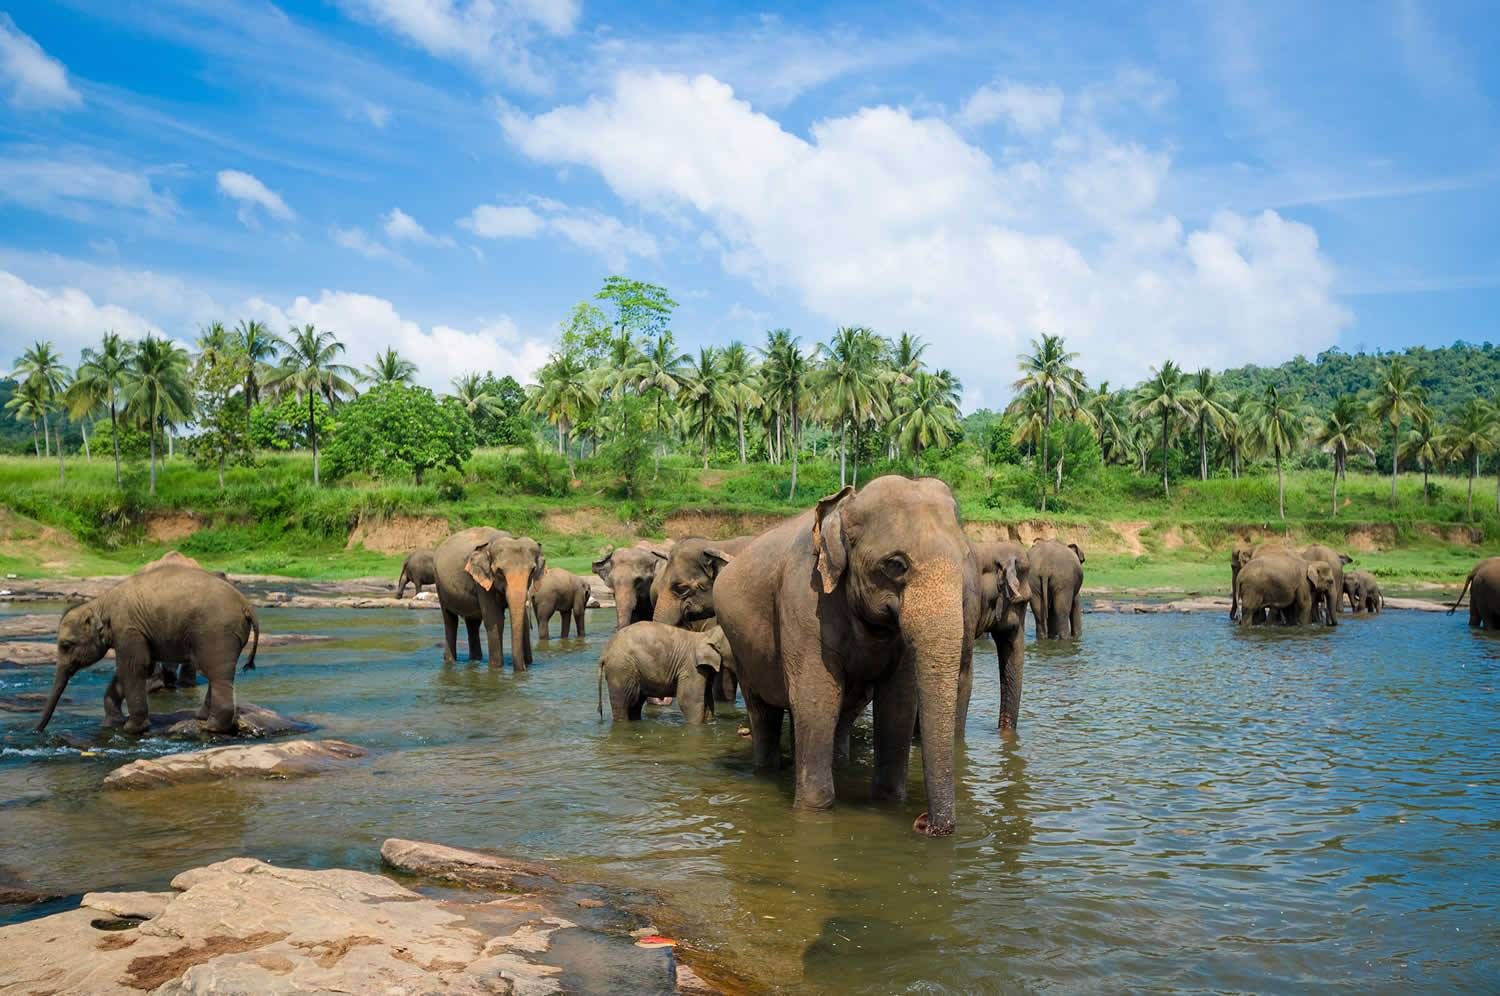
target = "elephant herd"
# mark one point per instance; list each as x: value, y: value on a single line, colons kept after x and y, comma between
x: 1274, y: 582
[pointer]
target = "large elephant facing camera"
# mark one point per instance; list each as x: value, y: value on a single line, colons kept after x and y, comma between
x: 171, y: 613
x: 1004, y: 594
x: 868, y: 594
x: 630, y: 572
x: 482, y: 573
x: 1056, y: 580
x: 1282, y: 585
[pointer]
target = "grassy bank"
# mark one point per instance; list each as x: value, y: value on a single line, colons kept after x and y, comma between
x: 270, y: 520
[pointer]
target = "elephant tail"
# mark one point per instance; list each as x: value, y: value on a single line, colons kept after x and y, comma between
x: 254, y: 640
x: 1467, y: 581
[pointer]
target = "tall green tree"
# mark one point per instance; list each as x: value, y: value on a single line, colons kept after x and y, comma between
x: 771, y: 386
x: 258, y: 346
x: 218, y: 403
x: 1472, y: 434
x: 741, y: 386
x: 849, y: 382
x: 928, y: 417
x: 157, y: 391
x: 1210, y: 409
x: 705, y: 399
x: 662, y: 371
x: 1165, y: 398
x: 310, y: 369
x: 563, y: 394
x: 390, y: 367
x: 43, y: 364
x: 1048, y: 371
x: 1398, y: 396
x: 1424, y: 444
x: 1277, y: 422
x: 641, y: 308
x: 1341, y: 431
x: 786, y: 373
x: 1108, y: 414
x: 29, y: 404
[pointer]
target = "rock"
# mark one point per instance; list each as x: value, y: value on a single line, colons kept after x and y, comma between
x: 29, y: 653
x: 255, y: 722
x: 31, y: 624
x: 27, y: 702
x: 288, y: 759
x: 1416, y: 605
x: 135, y: 905
x: 475, y: 869
x: 14, y: 892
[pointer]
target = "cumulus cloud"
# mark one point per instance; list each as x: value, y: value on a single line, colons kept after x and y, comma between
x: 75, y: 188
x: 36, y: 81
x: 602, y: 234
x: 252, y: 194
x: 402, y: 227
x: 64, y: 316
x: 1028, y: 109
x: 894, y: 220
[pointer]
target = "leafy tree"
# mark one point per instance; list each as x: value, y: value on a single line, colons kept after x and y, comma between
x: 741, y: 386
x: 1398, y: 396
x: 1166, y: 397
x: 1048, y: 372
x: 627, y: 455
x: 1276, y: 427
x: 1472, y: 435
x: 641, y: 308
x: 29, y: 404
x: 1341, y: 431
x: 101, y: 377
x: 928, y: 418
x: 1210, y: 410
x: 390, y: 367
x: 496, y: 406
x: 662, y: 372
x: 310, y: 369
x: 706, y: 399
x: 43, y: 365
x: 395, y: 430
x: 281, y: 423
x: 849, y: 381
x: 223, y: 436
x: 563, y: 394
x: 786, y: 377
x: 1423, y: 443
x: 258, y: 346
x: 156, y: 389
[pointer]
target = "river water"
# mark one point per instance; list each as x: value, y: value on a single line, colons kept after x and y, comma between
x: 1190, y: 806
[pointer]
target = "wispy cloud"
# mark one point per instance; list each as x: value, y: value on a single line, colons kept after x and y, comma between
x: 602, y: 234
x: 251, y: 194
x: 1028, y: 109
x: 35, y: 79
x: 402, y: 227
x: 74, y: 187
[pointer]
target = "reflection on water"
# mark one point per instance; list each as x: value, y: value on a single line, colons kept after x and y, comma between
x: 1190, y: 806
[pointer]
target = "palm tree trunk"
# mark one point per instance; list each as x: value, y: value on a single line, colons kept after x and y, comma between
x: 796, y: 441
x: 1473, y: 472
x: 312, y: 430
x: 36, y: 444
x: 1202, y: 449
x: 171, y: 451
x: 854, y: 461
x: 843, y: 440
x: 114, y: 434
x: 249, y: 398
x: 1395, y: 458
x: 1046, y: 441
x: 739, y: 427
x: 152, y: 430
x: 46, y: 434
x: 221, y: 471
x: 83, y: 427
x: 1280, y: 486
x: 1335, y: 487
x: 1166, y: 489
x: 62, y: 475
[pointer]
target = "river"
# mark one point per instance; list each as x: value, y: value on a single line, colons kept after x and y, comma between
x: 1189, y: 806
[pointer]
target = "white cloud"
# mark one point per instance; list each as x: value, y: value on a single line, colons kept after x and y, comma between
x: 894, y: 220
x: 602, y: 234
x: 357, y: 240
x: 402, y: 227
x: 376, y: 114
x: 251, y: 193
x: 64, y: 316
x: 495, y: 221
x: 1028, y: 109
x: 35, y: 79
x: 75, y: 188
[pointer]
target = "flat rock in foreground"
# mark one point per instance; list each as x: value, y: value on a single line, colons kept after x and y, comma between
x: 243, y: 926
x: 286, y: 759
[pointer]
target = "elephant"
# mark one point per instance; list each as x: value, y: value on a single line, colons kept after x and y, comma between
x: 420, y: 568
x: 481, y: 574
x: 1484, y: 602
x: 1004, y: 593
x: 171, y: 613
x: 559, y: 591
x: 631, y: 573
x: 1282, y: 582
x: 1238, y: 558
x: 653, y: 660
x: 1335, y: 562
x: 1056, y: 579
x: 869, y: 595
x: 684, y: 590
x: 1363, y: 592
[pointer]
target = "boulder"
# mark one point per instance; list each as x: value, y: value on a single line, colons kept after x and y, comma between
x: 287, y: 759
x: 475, y: 869
x: 255, y: 722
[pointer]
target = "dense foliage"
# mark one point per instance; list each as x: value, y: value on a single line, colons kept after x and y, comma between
x: 398, y: 432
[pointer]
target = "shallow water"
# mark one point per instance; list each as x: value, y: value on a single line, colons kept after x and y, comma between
x: 1190, y: 806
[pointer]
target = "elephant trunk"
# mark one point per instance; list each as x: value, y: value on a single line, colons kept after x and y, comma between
x: 624, y: 605
x: 668, y: 609
x: 59, y: 685
x: 934, y: 633
x: 520, y: 626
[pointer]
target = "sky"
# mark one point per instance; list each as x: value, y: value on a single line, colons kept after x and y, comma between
x: 1217, y: 183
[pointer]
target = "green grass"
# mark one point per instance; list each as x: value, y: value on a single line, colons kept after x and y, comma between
x: 269, y: 519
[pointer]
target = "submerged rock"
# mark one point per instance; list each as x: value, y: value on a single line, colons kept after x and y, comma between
x: 255, y: 722
x: 287, y: 759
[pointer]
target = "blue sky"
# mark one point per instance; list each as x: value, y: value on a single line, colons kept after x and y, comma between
x: 1217, y: 183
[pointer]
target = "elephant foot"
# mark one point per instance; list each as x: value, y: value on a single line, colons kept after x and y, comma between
x: 213, y: 726
x: 923, y: 825
x: 137, y: 725
x: 114, y: 721
x: 157, y: 684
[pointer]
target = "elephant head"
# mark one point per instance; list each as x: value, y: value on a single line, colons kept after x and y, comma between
x: 685, y: 585
x: 514, y: 562
x: 899, y: 554
x: 1004, y: 582
x: 630, y: 573
x: 1321, y: 580
x: 1077, y: 551
x: 83, y: 638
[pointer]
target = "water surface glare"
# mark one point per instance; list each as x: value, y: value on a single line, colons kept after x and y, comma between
x: 1190, y: 806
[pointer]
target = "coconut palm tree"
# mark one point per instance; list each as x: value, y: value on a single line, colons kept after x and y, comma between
x: 928, y: 417
x: 258, y: 346
x: 1397, y: 397
x: 1342, y: 431
x: 29, y: 404
x: 1048, y: 371
x: 156, y: 388
x: 390, y: 367
x: 470, y: 391
x: 1276, y: 426
x: 44, y: 364
x: 310, y: 368
x: 1210, y: 409
x: 1471, y: 435
x: 1108, y: 414
x: 1423, y: 443
x: 563, y: 395
x: 705, y: 398
x: 741, y: 386
x: 772, y: 380
x: 1166, y: 397
x: 786, y: 377
x: 102, y: 376
x: 849, y: 383
x: 661, y: 372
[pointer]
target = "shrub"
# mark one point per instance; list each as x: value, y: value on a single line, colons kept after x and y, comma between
x: 395, y: 431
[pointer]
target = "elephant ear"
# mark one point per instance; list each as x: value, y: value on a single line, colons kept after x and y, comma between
x: 604, y: 564
x: 1078, y: 550
x: 828, y: 538
x: 719, y: 641
x: 478, y: 567
x: 714, y: 561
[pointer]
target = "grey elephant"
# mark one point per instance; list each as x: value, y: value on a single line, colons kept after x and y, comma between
x: 483, y: 573
x: 1335, y: 562
x: 1056, y: 580
x: 1363, y: 592
x: 172, y: 613
x: 1241, y: 555
x: 1004, y: 593
x: 1483, y: 586
x: 653, y: 660
x: 419, y: 568
x: 1285, y: 584
x: 631, y: 573
x: 559, y: 591
x: 684, y: 590
x: 868, y: 595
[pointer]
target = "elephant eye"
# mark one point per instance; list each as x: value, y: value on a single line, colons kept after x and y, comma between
x: 682, y: 590
x: 895, y: 567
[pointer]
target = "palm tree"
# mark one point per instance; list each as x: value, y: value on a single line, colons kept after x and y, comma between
x: 1423, y: 443
x: 849, y: 380
x: 786, y: 376
x: 1341, y: 431
x: 215, y: 344
x: 737, y: 372
x: 928, y: 416
x: 1210, y: 409
x: 258, y: 346
x: 662, y: 371
x: 390, y: 367
x: 1236, y: 431
x: 706, y: 398
x: 44, y: 365
x: 1048, y: 370
x: 1165, y: 396
x: 470, y: 391
x: 1107, y: 412
x: 1276, y: 427
x: 309, y: 369
x: 156, y: 388
x: 29, y: 404
x: 1472, y: 435
x: 563, y: 394
x: 1397, y: 395
x: 772, y: 380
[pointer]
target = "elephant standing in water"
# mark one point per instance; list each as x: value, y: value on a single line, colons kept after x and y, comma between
x: 1283, y: 583
x: 1335, y: 562
x: 1004, y: 593
x: 559, y: 591
x: 1056, y: 580
x: 420, y: 568
x: 1364, y: 592
x: 1484, y: 601
x: 684, y: 590
x: 631, y: 574
x: 482, y: 573
x: 868, y: 594
x: 652, y: 660
x: 169, y: 614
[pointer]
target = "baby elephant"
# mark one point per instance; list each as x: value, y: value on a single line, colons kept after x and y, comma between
x: 653, y: 660
x: 1363, y: 591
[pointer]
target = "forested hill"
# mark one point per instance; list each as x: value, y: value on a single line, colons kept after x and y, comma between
x: 1450, y: 374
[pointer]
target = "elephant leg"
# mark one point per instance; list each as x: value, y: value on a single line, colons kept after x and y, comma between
x: 132, y: 670
x: 816, y: 701
x: 765, y: 731
x: 1038, y: 612
x: 1474, y: 618
x: 543, y: 624
x: 219, y: 702
x: 525, y: 641
x: 895, y: 723
x: 1010, y: 649
x: 492, y: 616
x: 450, y: 637
x: 578, y: 614
x: 113, y: 697
x: 844, y: 732
x: 692, y: 699
x: 566, y: 618
x: 1075, y: 616
x: 1057, y: 618
x: 728, y: 685
x: 187, y: 675
x: 624, y: 704
x: 166, y: 676
x: 471, y: 627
